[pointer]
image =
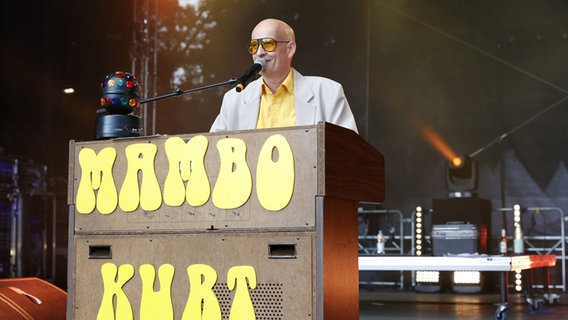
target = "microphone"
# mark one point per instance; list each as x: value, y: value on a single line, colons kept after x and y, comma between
x: 247, y: 77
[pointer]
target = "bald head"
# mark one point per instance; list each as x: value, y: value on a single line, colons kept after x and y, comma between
x: 278, y: 28
x: 279, y: 60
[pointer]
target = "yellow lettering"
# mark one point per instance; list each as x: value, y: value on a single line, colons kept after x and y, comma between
x: 156, y: 305
x: 96, y: 174
x: 186, y: 163
x: 202, y: 302
x: 140, y: 157
x: 242, y: 307
x: 234, y: 183
x: 187, y: 179
x: 113, y: 288
x: 275, y: 178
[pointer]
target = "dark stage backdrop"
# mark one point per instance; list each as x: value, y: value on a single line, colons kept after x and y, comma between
x: 485, y: 77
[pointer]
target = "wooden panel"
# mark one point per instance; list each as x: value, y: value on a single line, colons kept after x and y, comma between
x: 351, y: 168
x: 338, y: 271
x: 297, y: 214
x: 285, y: 284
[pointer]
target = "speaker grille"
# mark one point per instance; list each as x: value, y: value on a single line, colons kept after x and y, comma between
x: 267, y: 300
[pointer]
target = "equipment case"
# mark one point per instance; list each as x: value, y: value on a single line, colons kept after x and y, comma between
x: 457, y: 238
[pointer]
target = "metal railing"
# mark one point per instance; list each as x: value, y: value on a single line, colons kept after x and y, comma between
x: 557, y: 242
x: 394, y: 242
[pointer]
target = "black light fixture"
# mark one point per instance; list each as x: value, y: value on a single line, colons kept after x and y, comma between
x: 120, y: 97
x: 461, y: 176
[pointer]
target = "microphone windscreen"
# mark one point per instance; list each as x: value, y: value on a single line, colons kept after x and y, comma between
x: 260, y: 61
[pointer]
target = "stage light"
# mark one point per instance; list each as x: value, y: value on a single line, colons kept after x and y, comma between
x: 68, y: 90
x: 518, y: 281
x: 120, y: 97
x: 461, y: 176
x: 427, y: 276
x: 121, y: 93
x: 425, y: 281
x: 467, y: 282
x: 518, y: 238
x: 428, y: 281
x: 457, y: 161
x: 418, y: 231
x: 517, y: 210
x: 467, y: 277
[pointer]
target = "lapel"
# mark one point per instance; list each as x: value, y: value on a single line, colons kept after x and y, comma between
x: 304, y: 102
x: 251, y: 105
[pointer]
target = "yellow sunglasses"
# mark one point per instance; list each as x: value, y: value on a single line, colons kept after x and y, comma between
x: 268, y: 44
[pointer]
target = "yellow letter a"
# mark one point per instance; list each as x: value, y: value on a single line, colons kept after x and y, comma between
x: 140, y: 157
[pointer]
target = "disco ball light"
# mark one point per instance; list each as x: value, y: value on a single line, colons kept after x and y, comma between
x: 120, y: 93
x: 120, y: 98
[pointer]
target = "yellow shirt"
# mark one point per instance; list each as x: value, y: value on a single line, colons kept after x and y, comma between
x: 277, y: 110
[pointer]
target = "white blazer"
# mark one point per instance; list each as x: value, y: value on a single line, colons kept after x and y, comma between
x: 316, y: 99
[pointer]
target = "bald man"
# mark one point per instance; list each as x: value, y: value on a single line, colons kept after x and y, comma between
x: 282, y: 97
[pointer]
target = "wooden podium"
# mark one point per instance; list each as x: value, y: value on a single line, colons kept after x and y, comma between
x: 257, y: 224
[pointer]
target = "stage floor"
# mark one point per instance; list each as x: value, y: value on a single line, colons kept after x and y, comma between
x: 394, y: 303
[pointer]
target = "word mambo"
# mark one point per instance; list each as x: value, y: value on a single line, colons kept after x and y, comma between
x: 202, y: 303
x: 187, y: 179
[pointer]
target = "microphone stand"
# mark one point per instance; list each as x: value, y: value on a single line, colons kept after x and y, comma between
x: 179, y: 92
x: 121, y: 125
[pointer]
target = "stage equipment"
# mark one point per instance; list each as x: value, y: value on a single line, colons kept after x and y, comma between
x: 419, y: 225
x: 518, y: 243
x: 467, y: 282
x: 461, y: 176
x: 428, y: 281
x: 458, y: 238
x: 518, y: 238
x: 31, y: 298
x: 498, y: 263
x: 120, y: 97
x: 476, y: 211
x: 425, y: 281
x: 28, y: 220
x: 467, y: 278
x: 222, y: 224
x: 471, y: 235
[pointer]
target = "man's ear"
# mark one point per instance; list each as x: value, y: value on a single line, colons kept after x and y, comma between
x: 291, y: 48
